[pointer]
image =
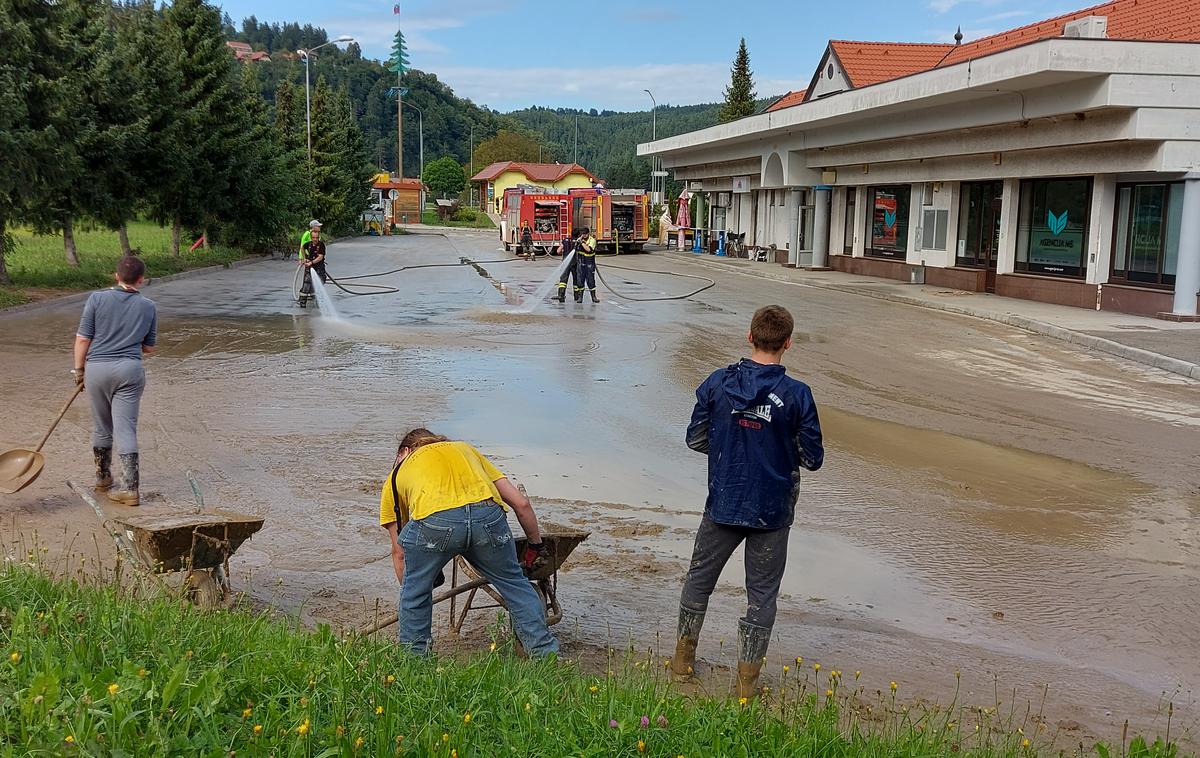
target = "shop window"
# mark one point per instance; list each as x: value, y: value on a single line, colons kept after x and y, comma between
x: 933, y: 228
x: 888, y: 207
x: 1146, y: 242
x: 851, y: 216
x: 1052, y: 227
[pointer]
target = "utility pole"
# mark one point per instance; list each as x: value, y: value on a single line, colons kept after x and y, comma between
x: 653, y: 137
x: 576, y: 159
x: 399, y: 64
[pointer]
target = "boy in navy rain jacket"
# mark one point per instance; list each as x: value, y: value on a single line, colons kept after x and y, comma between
x: 759, y: 427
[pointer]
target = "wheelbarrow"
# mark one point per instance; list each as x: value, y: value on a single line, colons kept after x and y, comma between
x: 162, y: 540
x: 465, y: 580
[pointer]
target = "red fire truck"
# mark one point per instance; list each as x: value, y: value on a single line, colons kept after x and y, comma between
x: 619, y: 218
x: 545, y: 211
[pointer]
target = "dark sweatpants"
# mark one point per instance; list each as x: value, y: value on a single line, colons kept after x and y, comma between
x: 766, y: 555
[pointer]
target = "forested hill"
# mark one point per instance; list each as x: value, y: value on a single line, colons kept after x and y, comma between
x: 607, y: 139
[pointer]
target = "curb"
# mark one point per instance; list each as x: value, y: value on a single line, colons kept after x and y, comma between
x: 79, y: 297
x: 1088, y: 341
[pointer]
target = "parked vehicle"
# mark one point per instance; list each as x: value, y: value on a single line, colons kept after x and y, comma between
x: 618, y: 218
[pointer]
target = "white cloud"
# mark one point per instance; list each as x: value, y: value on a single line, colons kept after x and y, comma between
x: 600, y: 87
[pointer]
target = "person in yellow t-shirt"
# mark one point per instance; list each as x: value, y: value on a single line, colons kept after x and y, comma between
x: 444, y: 499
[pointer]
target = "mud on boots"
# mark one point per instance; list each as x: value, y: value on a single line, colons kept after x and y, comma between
x: 754, y: 455
x: 585, y: 254
x: 683, y: 663
x: 117, y: 328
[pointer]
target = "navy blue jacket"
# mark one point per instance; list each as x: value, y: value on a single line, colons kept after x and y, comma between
x: 758, y: 426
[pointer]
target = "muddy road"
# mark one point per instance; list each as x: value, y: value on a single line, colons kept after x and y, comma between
x: 993, y: 502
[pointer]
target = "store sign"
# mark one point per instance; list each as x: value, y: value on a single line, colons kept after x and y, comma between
x: 885, y: 213
x: 741, y: 184
x: 1055, y: 246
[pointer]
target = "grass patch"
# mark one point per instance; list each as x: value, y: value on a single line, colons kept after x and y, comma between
x: 463, y: 218
x: 39, y: 261
x: 92, y: 670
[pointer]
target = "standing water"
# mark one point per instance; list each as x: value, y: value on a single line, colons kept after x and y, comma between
x: 324, y: 301
x: 544, y: 288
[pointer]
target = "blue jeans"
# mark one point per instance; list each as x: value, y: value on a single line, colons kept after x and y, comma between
x: 479, y: 532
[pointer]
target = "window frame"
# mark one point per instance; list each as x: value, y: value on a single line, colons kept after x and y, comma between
x: 1121, y: 276
x: 869, y: 248
x: 850, y: 225
x: 1041, y: 269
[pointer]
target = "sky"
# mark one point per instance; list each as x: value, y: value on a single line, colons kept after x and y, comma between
x: 511, y: 54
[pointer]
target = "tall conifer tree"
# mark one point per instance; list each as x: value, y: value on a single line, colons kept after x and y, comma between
x: 739, y: 95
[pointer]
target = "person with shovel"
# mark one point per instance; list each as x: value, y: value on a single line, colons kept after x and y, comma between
x: 444, y: 499
x: 759, y: 427
x: 118, y: 326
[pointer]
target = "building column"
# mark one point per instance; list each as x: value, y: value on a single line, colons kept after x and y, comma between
x: 1100, y: 228
x: 820, y: 251
x: 1187, y: 270
x: 1006, y: 258
x: 793, y: 211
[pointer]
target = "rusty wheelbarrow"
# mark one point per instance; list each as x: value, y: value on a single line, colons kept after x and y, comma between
x: 174, y: 539
x: 465, y: 580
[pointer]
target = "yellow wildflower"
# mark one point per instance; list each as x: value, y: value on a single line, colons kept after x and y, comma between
x: 445, y: 737
x: 358, y: 742
x: 528, y: 706
x: 828, y: 693
x: 141, y: 673
x: 799, y: 660
x: 112, y: 689
x: 15, y: 657
x: 1025, y: 742
x: 258, y: 728
x: 69, y: 739
x: 742, y: 701
x: 857, y: 674
x: 246, y: 713
x: 378, y: 710
x: 341, y: 730
x: 391, y: 679
x: 593, y: 689
x: 894, y: 686
x: 816, y: 667
x: 466, y: 718
x: 453, y: 753
x: 303, y: 728
x: 786, y: 668
x: 641, y: 746
x: 493, y: 647
x: 188, y: 654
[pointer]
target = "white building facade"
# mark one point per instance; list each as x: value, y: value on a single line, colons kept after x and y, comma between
x: 1065, y: 170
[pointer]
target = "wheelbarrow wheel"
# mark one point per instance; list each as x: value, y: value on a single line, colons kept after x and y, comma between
x: 202, y: 590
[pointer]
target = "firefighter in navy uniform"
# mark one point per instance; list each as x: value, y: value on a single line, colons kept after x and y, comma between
x: 585, y: 273
x: 571, y: 270
x: 312, y: 257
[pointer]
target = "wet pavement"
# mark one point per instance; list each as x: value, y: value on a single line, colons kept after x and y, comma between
x: 993, y: 502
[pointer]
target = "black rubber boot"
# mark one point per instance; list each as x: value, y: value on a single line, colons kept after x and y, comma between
x: 683, y: 663
x: 579, y: 296
x: 752, y: 651
x: 103, y: 458
x: 595, y: 297
x: 130, y: 475
x: 562, y: 294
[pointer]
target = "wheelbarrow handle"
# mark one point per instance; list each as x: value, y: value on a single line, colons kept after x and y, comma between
x: 63, y: 412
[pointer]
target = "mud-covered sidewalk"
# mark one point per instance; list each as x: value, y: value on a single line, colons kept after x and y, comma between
x: 994, y: 502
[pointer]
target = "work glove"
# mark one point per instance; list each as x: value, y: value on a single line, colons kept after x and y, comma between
x: 77, y: 375
x: 534, y: 555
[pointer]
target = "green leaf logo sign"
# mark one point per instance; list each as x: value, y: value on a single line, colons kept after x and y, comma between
x: 1056, y: 223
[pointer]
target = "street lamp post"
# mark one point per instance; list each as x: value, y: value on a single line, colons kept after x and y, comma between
x: 307, y: 87
x: 653, y: 136
x: 421, y: 142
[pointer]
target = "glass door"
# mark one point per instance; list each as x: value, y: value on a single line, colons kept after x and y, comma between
x: 979, y: 228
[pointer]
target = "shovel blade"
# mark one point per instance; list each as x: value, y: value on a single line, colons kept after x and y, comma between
x: 18, y: 469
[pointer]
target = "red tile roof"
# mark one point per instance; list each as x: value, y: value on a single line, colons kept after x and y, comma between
x: 1158, y: 20
x: 795, y: 97
x: 406, y: 184
x: 537, y: 172
x: 869, y: 63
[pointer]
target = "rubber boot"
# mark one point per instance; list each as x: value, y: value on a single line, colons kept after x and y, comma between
x: 595, y: 297
x: 579, y: 296
x: 562, y: 294
x: 103, y: 458
x: 128, y: 494
x: 683, y: 663
x: 752, y: 649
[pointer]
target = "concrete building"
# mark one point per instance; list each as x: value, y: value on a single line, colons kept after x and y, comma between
x: 502, y: 175
x: 1058, y: 162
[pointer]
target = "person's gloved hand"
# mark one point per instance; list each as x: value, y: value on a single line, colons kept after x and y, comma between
x: 77, y: 375
x: 532, y: 553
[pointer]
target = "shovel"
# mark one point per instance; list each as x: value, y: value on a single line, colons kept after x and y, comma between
x: 19, y: 467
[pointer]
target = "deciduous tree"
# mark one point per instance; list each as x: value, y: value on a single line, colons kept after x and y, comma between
x: 444, y: 177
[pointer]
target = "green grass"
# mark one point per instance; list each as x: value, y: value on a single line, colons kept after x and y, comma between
x: 39, y: 262
x: 477, y: 220
x: 91, y: 670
